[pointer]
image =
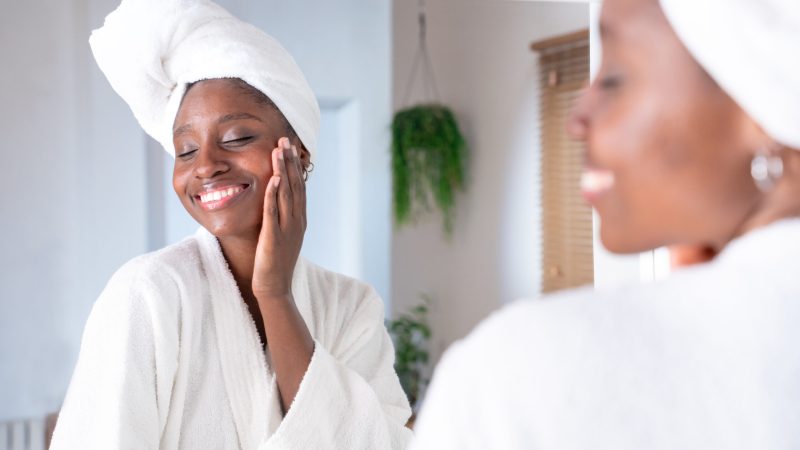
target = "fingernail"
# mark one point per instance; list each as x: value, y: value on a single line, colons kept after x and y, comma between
x: 286, y: 144
x: 280, y: 154
x: 294, y: 151
x: 276, y: 180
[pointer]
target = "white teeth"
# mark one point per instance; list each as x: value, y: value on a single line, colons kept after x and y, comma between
x: 596, y: 180
x: 219, y: 195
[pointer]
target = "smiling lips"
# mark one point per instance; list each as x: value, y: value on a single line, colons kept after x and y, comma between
x: 218, y: 198
x: 596, y: 182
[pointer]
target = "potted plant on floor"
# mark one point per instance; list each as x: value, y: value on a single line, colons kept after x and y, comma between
x: 411, y: 334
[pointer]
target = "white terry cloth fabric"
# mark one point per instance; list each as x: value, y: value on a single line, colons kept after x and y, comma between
x: 707, y: 359
x: 151, y: 49
x: 751, y: 48
x: 171, y: 359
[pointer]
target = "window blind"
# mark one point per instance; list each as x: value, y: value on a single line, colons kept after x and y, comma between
x: 567, y: 243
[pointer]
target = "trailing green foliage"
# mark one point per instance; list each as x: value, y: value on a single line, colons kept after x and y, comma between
x: 428, y: 160
x: 411, y: 333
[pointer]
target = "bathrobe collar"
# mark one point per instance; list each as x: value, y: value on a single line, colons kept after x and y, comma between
x: 249, y: 379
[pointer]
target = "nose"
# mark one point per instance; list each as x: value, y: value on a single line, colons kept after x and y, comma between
x: 209, y: 163
x: 578, y: 121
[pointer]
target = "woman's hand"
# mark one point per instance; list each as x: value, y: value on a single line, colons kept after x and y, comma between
x: 290, y: 343
x: 283, y: 227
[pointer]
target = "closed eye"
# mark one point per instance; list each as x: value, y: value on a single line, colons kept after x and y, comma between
x: 239, y: 141
x: 187, y: 154
x: 610, y: 82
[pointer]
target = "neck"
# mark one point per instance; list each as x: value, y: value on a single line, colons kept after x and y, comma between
x: 240, y: 253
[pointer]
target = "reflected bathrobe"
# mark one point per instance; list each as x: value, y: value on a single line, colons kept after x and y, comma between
x: 171, y: 359
x: 707, y: 359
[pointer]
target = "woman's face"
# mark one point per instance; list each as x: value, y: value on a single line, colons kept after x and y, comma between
x: 677, y: 148
x: 224, y: 138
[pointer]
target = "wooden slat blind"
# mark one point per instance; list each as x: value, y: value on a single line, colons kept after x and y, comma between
x: 567, y: 259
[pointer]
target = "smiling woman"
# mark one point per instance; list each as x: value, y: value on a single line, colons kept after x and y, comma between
x: 240, y: 131
x: 692, y: 138
x: 227, y: 339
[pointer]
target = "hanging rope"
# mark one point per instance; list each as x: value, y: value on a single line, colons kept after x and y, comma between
x: 430, y: 91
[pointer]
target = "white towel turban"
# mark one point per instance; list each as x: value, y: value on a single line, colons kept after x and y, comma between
x: 752, y: 49
x: 151, y: 49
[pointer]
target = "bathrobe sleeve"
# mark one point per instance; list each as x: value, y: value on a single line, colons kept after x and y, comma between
x: 350, y: 396
x: 119, y: 392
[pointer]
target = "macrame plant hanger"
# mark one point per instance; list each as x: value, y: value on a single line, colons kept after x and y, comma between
x: 428, y: 149
x: 422, y: 64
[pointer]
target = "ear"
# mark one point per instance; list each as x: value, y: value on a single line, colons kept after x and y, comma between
x: 755, y: 139
x: 305, y: 155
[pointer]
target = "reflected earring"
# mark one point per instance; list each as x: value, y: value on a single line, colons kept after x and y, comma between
x: 766, y: 169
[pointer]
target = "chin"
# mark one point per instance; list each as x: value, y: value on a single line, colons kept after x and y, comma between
x: 242, y: 221
x: 216, y: 230
x: 622, y: 241
x: 223, y: 230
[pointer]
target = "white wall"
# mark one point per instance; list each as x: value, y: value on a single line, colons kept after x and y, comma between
x: 334, y: 235
x: 488, y: 76
x: 77, y: 168
x: 344, y: 48
x: 75, y: 205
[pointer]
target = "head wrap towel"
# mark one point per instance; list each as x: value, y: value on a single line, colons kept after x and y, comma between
x: 752, y: 49
x: 151, y: 49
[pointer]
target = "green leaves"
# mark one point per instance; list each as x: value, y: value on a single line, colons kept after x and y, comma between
x: 428, y: 161
x: 411, y: 334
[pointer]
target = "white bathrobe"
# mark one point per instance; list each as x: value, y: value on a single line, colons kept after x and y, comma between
x: 171, y: 359
x: 708, y: 359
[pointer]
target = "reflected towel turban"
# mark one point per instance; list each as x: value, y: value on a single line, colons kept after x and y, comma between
x: 752, y: 50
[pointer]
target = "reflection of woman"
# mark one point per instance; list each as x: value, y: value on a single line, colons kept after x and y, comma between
x: 692, y: 130
x: 227, y: 339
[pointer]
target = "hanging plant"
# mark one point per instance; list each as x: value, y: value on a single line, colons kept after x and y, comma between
x: 428, y: 162
x: 428, y: 150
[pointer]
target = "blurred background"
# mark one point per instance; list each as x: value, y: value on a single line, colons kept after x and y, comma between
x: 88, y: 190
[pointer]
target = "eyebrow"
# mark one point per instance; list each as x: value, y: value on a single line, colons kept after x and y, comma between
x: 182, y: 129
x: 237, y: 116
x: 226, y: 118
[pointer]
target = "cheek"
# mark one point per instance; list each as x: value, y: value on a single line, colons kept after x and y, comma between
x: 179, y: 182
x: 672, y: 166
x: 627, y: 140
x: 261, y: 170
x: 641, y: 144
